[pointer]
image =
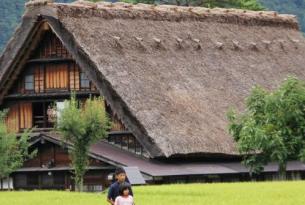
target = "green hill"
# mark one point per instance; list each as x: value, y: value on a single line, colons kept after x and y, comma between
x: 296, y: 7
x: 10, y: 14
x: 12, y: 10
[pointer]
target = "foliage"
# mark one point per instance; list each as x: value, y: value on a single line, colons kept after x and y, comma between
x: 10, y: 14
x: 267, y: 193
x: 244, y: 4
x: 295, y: 7
x: 272, y: 127
x: 13, y: 150
x: 82, y: 125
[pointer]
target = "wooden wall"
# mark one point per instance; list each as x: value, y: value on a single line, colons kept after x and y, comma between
x: 116, y: 124
x: 51, y: 47
x: 94, y: 180
x: 48, y: 152
x: 25, y: 113
x: 53, y: 69
x: 12, y: 119
x: 20, y: 116
x: 39, y: 78
x: 74, y: 77
x: 56, y: 76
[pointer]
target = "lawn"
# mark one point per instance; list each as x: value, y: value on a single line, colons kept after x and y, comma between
x: 271, y: 193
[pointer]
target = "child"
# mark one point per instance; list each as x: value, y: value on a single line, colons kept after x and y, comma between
x: 114, y: 190
x: 124, y: 198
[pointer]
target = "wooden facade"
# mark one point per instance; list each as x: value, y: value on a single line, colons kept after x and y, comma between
x: 49, y: 71
x: 20, y: 116
x: 47, y: 78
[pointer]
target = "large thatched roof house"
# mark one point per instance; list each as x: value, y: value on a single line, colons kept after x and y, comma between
x: 168, y: 74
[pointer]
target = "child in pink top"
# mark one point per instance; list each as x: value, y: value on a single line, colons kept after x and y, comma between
x: 125, y: 198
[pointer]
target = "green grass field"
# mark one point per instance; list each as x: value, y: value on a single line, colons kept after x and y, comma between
x: 271, y: 193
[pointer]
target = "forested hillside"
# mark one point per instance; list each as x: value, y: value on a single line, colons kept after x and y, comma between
x: 10, y: 15
x: 296, y: 7
x: 12, y: 10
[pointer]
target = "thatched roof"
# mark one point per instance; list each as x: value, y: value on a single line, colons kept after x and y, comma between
x: 171, y: 73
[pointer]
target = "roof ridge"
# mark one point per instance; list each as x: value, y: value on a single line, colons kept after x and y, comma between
x: 32, y: 3
x: 165, y: 8
x: 169, y: 12
x: 181, y: 9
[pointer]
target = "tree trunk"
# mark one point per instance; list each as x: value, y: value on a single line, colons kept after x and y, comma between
x: 1, y: 183
x: 282, y: 171
x: 79, y: 183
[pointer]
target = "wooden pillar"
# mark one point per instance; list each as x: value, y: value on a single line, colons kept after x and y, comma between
x: 45, y: 118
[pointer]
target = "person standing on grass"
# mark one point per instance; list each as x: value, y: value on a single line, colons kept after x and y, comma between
x: 125, y: 198
x: 114, y: 190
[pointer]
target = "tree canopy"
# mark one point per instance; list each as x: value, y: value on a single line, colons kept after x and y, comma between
x: 13, y: 150
x: 82, y: 125
x: 272, y: 127
x: 243, y: 4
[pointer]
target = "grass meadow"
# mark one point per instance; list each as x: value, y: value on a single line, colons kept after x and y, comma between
x: 264, y: 193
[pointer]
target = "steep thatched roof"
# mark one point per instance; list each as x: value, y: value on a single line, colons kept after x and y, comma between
x: 171, y: 73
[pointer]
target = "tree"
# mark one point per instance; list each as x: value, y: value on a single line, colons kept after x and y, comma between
x: 82, y: 125
x: 272, y: 128
x: 242, y: 4
x: 13, y: 150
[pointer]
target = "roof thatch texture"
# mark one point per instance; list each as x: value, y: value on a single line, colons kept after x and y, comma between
x: 173, y: 72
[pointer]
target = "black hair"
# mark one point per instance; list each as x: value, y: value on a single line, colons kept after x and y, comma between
x: 123, y: 187
x: 119, y: 170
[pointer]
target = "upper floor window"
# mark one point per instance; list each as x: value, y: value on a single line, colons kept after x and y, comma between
x: 84, y: 81
x: 29, y: 81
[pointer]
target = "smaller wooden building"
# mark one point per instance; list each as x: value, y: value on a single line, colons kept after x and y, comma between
x: 51, y: 168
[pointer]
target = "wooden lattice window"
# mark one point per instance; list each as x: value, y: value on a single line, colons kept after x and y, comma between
x: 57, y: 76
x: 20, y: 116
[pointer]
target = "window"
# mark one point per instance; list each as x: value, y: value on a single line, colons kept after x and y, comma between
x: 138, y: 148
x: 29, y: 82
x: 59, y: 108
x: 56, y: 76
x: 124, y: 143
x: 131, y: 144
x: 84, y: 81
x: 127, y: 142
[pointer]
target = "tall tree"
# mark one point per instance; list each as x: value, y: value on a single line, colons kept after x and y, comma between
x: 82, y: 125
x: 13, y: 150
x: 272, y: 127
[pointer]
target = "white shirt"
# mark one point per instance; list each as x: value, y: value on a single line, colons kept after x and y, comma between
x: 124, y: 200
